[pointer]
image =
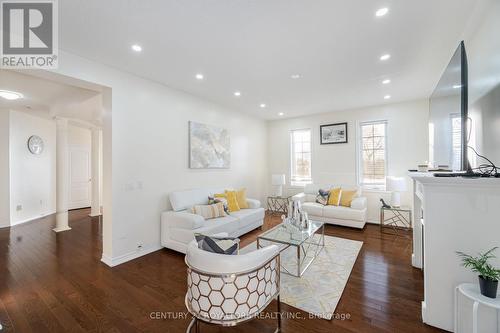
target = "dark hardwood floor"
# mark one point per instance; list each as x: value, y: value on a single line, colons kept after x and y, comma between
x: 56, y: 283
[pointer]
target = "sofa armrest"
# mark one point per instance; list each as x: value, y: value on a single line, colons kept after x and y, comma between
x: 182, y: 220
x: 299, y: 197
x: 359, y: 203
x: 253, y: 203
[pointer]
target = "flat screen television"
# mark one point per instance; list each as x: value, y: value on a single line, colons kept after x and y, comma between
x: 448, y: 116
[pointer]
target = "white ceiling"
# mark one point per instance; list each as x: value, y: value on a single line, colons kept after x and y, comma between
x: 48, y: 99
x: 255, y: 46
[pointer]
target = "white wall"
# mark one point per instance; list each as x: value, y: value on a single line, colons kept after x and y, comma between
x: 150, y: 153
x: 407, y: 134
x: 4, y: 169
x: 32, y: 177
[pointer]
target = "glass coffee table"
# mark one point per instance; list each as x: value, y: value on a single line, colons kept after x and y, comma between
x: 299, y: 247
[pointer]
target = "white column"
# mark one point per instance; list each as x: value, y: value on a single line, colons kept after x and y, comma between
x: 62, y: 175
x: 96, y: 195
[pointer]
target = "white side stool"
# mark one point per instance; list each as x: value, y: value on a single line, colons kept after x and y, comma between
x: 471, y: 291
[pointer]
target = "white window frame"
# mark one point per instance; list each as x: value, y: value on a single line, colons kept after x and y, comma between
x: 359, y: 157
x: 300, y: 183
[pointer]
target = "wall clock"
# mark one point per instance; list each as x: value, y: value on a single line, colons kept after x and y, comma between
x: 35, y: 145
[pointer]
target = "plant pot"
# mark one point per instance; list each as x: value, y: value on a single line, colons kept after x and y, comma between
x: 488, y: 287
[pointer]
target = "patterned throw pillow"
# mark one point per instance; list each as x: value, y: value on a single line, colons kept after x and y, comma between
x: 209, y: 211
x: 322, y: 197
x: 223, y: 200
x: 221, y: 245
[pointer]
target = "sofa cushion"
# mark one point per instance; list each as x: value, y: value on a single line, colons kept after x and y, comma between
x: 313, y: 208
x: 343, y: 213
x: 248, y: 216
x: 227, y: 224
x: 209, y: 211
x: 214, y: 244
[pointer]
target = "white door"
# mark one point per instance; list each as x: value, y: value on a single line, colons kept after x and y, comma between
x: 79, y: 177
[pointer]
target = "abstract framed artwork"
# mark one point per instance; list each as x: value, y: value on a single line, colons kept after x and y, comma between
x: 333, y: 133
x: 209, y: 147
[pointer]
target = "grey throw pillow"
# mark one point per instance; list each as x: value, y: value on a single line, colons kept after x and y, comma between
x: 322, y: 197
x: 221, y: 245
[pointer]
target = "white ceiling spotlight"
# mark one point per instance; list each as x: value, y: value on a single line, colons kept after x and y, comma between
x: 10, y: 95
x: 262, y: 105
x: 136, y: 48
x: 386, y: 81
x: 237, y: 93
x: 199, y: 76
x: 381, y: 12
x: 295, y: 76
x: 385, y: 57
x: 387, y: 97
x: 280, y: 114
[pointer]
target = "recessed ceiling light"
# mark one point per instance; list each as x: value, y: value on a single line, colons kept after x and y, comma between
x: 295, y: 76
x: 137, y: 48
x: 387, y: 97
x: 381, y: 12
x: 386, y: 81
x: 263, y: 105
x: 456, y: 86
x: 385, y: 57
x: 199, y: 76
x: 237, y: 93
x: 280, y: 114
x: 10, y: 95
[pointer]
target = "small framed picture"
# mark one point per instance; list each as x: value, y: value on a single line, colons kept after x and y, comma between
x: 333, y: 133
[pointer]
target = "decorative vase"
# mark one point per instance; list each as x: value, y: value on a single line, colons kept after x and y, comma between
x: 488, y: 287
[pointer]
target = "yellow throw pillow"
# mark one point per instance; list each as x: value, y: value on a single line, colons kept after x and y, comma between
x: 347, y: 197
x: 334, y: 197
x: 232, y: 201
x: 241, y: 197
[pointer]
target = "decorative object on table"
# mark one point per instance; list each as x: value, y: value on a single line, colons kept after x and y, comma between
x: 399, y: 219
x: 209, y: 147
x: 278, y: 205
x: 396, y: 185
x: 278, y: 181
x: 333, y: 133
x: 35, y: 145
x: 423, y: 168
x: 488, y: 275
x: 384, y: 205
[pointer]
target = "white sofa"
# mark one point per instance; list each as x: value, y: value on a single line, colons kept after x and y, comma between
x: 354, y: 216
x: 178, y: 226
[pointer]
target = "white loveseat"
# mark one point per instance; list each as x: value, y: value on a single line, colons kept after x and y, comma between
x: 178, y: 226
x: 354, y: 216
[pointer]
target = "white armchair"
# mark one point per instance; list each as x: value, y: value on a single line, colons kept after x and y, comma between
x: 230, y: 289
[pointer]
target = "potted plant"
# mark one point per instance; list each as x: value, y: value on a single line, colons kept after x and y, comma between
x: 488, y: 275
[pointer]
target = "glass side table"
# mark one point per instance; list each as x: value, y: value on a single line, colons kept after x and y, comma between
x: 396, y: 218
x: 278, y: 205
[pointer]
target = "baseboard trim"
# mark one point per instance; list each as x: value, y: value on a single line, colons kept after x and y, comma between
x: 373, y: 222
x: 112, y: 262
x: 32, y: 219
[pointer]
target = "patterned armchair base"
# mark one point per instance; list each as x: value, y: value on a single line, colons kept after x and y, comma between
x: 229, y: 299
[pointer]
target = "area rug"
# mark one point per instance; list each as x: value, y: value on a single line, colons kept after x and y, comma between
x: 318, y: 291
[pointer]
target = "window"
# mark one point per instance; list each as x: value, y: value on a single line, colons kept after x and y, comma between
x: 301, y: 157
x: 372, y: 154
